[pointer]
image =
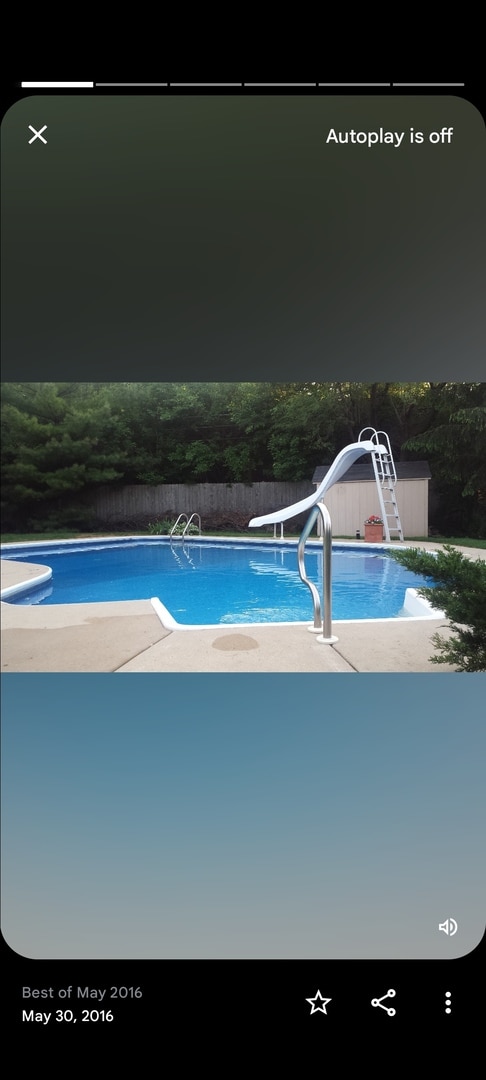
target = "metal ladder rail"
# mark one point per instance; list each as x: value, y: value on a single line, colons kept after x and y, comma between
x: 391, y: 516
x: 322, y: 622
x: 386, y: 475
x: 189, y: 522
x: 386, y: 478
x: 174, y: 527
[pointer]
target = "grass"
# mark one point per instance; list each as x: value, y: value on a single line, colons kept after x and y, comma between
x: 454, y: 541
x: 64, y: 534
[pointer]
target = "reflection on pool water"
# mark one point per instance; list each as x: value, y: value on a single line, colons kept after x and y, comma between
x: 216, y: 582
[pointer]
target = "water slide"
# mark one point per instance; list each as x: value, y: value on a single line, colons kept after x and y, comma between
x: 339, y: 467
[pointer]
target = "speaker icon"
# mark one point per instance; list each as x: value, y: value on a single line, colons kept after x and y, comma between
x: 449, y: 927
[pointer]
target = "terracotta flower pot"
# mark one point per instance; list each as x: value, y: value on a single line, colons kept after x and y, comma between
x: 373, y: 533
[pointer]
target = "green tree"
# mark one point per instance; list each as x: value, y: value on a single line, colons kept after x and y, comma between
x: 453, y: 439
x: 56, y: 444
x: 248, y: 456
x: 461, y: 593
x: 59, y: 440
x: 303, y: 430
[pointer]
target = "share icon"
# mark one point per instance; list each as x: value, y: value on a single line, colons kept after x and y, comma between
x: 378, y: 1001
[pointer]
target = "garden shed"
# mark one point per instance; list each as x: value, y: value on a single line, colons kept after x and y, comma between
x: 355, y: 498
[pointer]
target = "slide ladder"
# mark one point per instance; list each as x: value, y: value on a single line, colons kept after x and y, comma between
x: 386, y: 478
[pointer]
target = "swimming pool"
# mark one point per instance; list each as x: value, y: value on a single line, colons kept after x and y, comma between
x: 217, y: 582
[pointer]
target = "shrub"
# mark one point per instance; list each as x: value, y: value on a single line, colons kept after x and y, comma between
x: 160, y: 528
x: 461, y: 593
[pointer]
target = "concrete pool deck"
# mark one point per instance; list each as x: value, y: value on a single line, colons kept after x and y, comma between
x: 127, y: 636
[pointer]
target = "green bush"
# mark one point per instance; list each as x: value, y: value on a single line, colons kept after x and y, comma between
x: 461, y: 593
x: 160, y: 528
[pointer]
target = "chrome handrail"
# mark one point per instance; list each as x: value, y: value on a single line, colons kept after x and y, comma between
x: 189, y: 522
x: 174, y: 527
x: 321, y: 621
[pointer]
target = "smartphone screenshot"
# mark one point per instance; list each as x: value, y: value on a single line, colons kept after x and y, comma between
x: 216, y: 296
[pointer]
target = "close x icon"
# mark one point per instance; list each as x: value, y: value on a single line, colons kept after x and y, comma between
x: 37, y: 134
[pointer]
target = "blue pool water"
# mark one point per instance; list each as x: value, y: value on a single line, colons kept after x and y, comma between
x: 209, y: 582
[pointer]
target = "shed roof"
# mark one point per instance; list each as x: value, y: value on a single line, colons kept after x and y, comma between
x: 405, y: 470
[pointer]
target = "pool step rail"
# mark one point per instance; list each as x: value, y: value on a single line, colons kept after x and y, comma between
x: 189, y: 522
x: 386, y: 478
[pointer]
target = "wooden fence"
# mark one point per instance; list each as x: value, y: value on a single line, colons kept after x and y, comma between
x: 141, y: 504
x: 232, y: 505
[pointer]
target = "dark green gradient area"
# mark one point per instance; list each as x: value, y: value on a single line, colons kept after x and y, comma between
x: 224, y: 237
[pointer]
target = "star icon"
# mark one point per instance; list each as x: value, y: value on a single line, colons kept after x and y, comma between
x: 322, y: 1002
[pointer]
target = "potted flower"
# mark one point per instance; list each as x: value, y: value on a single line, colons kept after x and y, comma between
x: 373, y: 529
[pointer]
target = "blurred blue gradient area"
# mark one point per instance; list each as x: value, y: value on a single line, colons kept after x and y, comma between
x: 242, y: 816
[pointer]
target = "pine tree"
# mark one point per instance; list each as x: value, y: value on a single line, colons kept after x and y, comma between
x: 55, y: 446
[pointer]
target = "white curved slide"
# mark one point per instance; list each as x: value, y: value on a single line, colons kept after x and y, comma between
x: 339, y: 467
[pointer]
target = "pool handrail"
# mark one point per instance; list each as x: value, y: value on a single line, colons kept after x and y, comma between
x: 190, y: 523
x: 339, y: 467
x: 174, y: 527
